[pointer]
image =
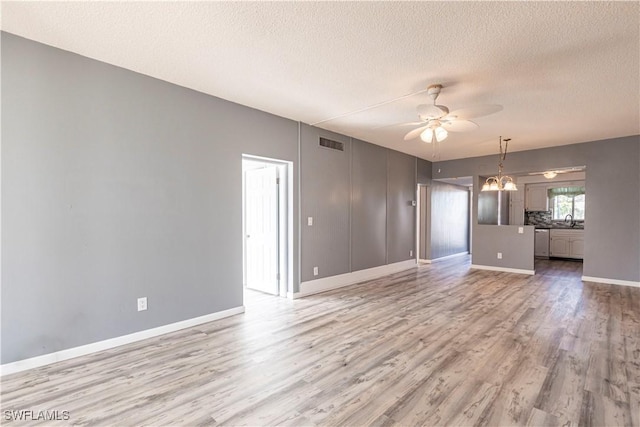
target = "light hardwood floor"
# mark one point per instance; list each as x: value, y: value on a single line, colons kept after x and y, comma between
x: 435, y: 345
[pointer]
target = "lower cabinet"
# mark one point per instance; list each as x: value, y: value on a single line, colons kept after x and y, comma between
x: 567, y: 244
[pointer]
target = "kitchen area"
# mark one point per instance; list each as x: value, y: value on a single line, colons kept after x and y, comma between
x: 554, y: 203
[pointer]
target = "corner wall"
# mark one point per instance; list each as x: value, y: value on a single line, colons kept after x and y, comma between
x: 360, y: 202
x: 116, y: 186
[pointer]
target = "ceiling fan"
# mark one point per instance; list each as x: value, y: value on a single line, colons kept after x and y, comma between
x: 436, y: 120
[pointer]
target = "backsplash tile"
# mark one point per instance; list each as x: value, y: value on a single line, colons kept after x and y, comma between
x: 543, y: 219
x: 537, y: 218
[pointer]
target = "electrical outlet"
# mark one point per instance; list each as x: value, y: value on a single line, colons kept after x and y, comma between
x: 499, y: 255
x: 310, y: 220
x: 520, y: 230
x: 142, y: 304
x: 315, y: 271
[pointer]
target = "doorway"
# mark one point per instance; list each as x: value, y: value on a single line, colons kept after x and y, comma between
x: 266, y: 225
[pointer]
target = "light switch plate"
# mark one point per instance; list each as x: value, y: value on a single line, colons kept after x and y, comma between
x: 310, y: 220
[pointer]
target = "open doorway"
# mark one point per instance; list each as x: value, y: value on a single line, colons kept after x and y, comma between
x: 266, y: 225
x: 554, y: 202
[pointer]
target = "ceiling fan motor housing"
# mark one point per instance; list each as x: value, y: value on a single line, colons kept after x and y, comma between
x: 434, y: 91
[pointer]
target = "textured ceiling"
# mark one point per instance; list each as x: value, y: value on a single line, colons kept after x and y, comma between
x: 565, y: 72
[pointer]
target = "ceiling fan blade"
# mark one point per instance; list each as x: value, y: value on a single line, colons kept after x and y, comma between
x: 475, y: 111
x: 431, y: 111
x: 459, y: 125
x: 414, y: 133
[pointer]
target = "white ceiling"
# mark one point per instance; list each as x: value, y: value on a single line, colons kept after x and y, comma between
x: 565, y: 72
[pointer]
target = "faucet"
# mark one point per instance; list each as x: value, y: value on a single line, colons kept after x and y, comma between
x: 573, y: 223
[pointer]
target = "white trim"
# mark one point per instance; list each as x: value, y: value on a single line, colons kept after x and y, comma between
x: 611, y: 281
x: 447, y: 257
x: 70, y: 353
x: 328, y: 283
x: 503, y: 269
x: 424, y: 261
x: 293, y: 295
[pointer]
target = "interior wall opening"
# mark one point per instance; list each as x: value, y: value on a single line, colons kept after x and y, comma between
x: 267, y: 226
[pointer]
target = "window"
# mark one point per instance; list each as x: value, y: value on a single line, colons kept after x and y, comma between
x: 567, y: 201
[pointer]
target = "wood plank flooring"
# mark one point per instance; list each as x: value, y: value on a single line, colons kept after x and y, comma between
x: 439, y: 344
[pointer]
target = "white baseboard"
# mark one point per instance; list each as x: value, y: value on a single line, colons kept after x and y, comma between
x: 503, y: 269
x: 293, y: 295
x: 70, y: 353
x: 611, y: 281
x: 328, y: 283
x: 429, y: 261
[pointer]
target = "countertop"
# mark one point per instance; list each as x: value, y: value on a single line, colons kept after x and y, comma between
x: 546, y: 227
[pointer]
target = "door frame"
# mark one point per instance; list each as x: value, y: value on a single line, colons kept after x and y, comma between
x: 285, y: 222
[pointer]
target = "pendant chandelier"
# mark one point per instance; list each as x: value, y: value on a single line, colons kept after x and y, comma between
x: 500, y: 182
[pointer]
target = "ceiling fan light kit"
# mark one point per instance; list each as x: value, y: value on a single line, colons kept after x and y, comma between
x: 439, y: 132
x: 500, y: 182
x: 427, y: 135
x: 436, y: 120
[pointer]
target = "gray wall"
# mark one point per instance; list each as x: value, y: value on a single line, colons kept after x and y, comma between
x: 116, y: 186
x: 449, y: 219
x: 325, y: 196
x: 360, y: 201
x: 612, y: 224
x: 401, y: 215
x: 424, y: 171
x: 612, y: 216
x: 369, y: 206
x: 517, y: 249
x: 424, y: 241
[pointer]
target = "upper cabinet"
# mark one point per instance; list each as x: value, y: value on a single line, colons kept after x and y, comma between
x: 536, y: 197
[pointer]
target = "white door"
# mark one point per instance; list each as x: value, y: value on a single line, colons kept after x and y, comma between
x: 261, y: 229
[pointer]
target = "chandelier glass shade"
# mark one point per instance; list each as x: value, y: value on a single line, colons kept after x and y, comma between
x: 500, y: 182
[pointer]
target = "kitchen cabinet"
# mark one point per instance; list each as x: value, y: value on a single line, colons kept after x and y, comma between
x: 567, y: 244
x: 536, y: 198
x: 559, y: 245
x: 576, y: 248
x: 516, y: 207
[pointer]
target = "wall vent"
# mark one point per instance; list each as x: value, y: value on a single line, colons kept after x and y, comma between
x: 334, y: 145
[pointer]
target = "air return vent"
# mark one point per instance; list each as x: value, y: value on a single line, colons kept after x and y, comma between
x: 334, y: 145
